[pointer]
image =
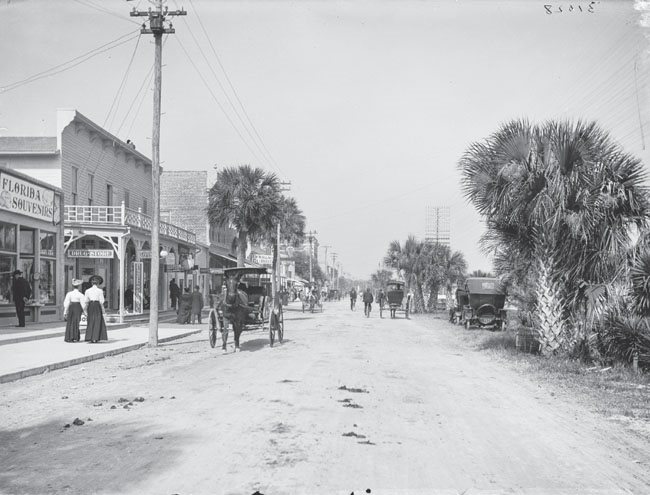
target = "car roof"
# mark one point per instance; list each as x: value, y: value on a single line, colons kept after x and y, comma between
x: 484, y: 285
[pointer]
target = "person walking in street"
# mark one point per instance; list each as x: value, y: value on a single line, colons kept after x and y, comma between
x: 367, y: 302
x: 174, y: 292
x: 184, y: 307
x: 353, y: 298
x: 96, y: 329
x: 74, y: 305
x: 21, y: 291
x: 197, y: 304
x: 381, y: 298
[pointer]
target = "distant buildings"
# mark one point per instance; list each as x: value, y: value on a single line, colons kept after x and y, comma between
x: 437, y: 225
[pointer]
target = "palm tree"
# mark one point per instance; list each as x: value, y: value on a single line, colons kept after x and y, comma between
x: 248, y: 199
x: 559, y: 200
x: 409, y: 259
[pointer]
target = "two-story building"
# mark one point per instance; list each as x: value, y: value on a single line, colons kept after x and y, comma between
x: 107, y: 192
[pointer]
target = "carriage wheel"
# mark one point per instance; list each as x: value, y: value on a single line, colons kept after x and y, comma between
x: 281, y: 326
x: 212, y: 327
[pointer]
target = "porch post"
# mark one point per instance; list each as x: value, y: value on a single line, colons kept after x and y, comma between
x: 120, y: 255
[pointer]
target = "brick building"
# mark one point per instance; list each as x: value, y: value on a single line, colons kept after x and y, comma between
x: 107, y: 193
x: 184, y: 200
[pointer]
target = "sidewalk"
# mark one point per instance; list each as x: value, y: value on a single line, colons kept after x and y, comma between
x: 46, y: 350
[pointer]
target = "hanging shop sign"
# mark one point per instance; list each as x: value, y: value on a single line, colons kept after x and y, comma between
x: 145, y: 255
x: 138, y: 286
x: 90, y: 253
x: 20, y: 196
x: 263, y: 259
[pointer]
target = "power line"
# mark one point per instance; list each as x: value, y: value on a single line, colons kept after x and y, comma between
x: 232, y: 87
x: 120, y: 92
x: 205, y: 83
x: 91, y: 5
x: 57, y: 69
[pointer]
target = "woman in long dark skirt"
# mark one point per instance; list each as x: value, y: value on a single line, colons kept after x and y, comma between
x: 96, y: 329
x: 185, y: 307
x: 73, y: 308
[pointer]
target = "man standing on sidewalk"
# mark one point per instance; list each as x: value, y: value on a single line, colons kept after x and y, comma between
x: 21, y: 292
x: 197, y: 304
x: 174, y: 292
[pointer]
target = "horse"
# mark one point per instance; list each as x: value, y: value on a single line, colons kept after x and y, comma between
x: 235, y: 310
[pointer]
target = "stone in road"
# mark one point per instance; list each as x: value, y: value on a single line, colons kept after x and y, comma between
x: 345, y: 404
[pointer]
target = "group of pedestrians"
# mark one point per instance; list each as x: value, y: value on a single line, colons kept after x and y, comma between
x: 367, y: 298
x: 190, y: 304
x: 91, y: 303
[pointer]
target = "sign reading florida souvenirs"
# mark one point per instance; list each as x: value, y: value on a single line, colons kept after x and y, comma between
x: 23, y: 197
x: 138, y: 287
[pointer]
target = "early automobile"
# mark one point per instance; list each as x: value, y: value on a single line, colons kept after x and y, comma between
x: 485, y: 298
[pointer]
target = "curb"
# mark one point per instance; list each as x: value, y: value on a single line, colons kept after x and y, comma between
x: 18, y: 375
x: 17, y: 340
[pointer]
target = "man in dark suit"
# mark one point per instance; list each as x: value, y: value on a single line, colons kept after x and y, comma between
x: 21, y: 292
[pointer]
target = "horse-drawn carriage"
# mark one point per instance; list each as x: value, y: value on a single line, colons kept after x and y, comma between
x: 311, y: 299
x: 244, y: 303
x: 396, y: 300
x: 480, y: 302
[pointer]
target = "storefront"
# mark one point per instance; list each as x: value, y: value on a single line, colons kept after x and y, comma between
x: 31, y: 240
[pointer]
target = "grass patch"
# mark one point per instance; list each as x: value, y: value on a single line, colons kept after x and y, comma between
x: 616, y: 392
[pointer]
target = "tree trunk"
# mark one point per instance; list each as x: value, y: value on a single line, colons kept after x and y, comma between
x: 548, y: 309
x: 432, y: 303
x: 241, y: 248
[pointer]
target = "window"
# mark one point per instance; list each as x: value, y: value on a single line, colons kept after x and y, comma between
x: 144, y: 206
x: 7, y: 266
x: 91, y: 189
x: 74, y: 184
x: 127, y: 198
x: 27, y: 241
x: 48, y: 244
x: 47, y: 282
x: 7, y: 237
x: 109, y: 195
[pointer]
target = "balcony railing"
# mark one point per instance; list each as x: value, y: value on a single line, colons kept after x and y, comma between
x: 120, y: 215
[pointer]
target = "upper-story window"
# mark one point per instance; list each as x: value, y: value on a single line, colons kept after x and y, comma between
x: 109, y: 195
x: 127, y: 198
x: 91, y: 189
x: 145, y: 206
x: 74, y: 184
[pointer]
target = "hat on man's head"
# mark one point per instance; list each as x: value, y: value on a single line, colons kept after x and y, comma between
x: 17, y: 272
x: 76, y: 282
x: 96, y: 279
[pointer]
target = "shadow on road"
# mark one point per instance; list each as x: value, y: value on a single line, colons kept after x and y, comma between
x: 48, y: 458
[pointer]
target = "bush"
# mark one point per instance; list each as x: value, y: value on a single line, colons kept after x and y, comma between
x: 624, y: 335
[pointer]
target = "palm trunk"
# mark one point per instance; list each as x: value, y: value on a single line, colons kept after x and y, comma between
x: 241, y: 248
x: 432, y: 303
x: 274, y: 281
x: 548, y: 309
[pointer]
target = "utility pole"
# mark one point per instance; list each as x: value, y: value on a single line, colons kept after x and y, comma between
x: 157, y: 28
x: 310, y: 235
x: 327, y: 272
x: 334, y: 269
x: 275, y: 281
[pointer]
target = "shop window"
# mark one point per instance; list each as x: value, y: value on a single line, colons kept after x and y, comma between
x: 27, y: 266
x: 48, y: 244
x: 47, y: 282
x: 26, y: 241
x: 7, y: 237
x: 7, y: 266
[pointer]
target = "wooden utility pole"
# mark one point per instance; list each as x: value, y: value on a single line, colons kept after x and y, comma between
x: 311, y: 237
x: 157, y: 28
x: 275, y: 288
x: 327, y: 273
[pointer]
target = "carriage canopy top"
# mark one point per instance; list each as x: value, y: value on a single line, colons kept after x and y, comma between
x: 484, y: 285
x: 395, y: 285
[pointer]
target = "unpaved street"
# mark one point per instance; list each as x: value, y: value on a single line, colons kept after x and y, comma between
x: 345, y: 404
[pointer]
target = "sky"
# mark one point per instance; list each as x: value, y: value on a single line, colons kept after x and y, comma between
x: 364, y: 106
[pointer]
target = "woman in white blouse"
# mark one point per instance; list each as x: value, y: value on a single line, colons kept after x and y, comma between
x: 96, y: 329
x: 74, y: 305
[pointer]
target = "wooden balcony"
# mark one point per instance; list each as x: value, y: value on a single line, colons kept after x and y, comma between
x: 120, y: 215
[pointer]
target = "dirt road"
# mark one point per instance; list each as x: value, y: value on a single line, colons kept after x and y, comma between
x: 346, y: 404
